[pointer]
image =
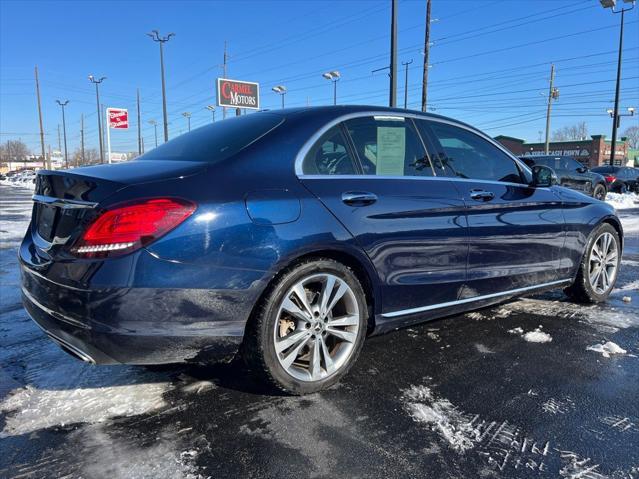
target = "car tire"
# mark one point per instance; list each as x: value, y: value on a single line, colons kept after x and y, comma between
x: 623, y: 188
x: 602, y: 243
x: 599, y: 192
x: 325, y: 334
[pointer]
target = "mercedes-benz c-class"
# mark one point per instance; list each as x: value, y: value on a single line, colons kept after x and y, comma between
x: 288, y: 237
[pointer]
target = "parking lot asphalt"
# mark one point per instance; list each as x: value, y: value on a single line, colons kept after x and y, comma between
x: 524, y: 389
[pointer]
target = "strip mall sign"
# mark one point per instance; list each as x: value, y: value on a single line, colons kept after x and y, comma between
x: 118, y: 118
x: 238, y: 94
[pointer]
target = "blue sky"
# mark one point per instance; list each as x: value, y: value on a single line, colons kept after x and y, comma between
x: 490, y: 60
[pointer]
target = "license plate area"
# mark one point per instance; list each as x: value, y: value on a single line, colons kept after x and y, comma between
x: 46, y: 221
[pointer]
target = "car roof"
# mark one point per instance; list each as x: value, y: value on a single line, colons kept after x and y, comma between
x: 335, y: 111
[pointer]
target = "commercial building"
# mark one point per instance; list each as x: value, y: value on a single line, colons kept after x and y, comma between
x: 591, y: 152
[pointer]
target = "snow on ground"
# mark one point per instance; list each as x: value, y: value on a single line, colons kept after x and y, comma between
x: 623, y: 201
x: 607, y: 349
x: 536, y: 336
x: 501, y: 444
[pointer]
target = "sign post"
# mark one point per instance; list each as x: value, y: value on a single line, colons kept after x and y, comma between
x: 117, y: 118
x: 238, y: 94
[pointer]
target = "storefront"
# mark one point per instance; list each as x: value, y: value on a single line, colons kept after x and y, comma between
x: 592, y: 153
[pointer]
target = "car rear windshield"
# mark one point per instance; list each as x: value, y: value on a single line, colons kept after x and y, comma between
x: 218, y: 141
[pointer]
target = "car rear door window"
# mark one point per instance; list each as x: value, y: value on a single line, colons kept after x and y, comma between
x: 463, y: 154
x: 388, y: 146
x: 330, y: 155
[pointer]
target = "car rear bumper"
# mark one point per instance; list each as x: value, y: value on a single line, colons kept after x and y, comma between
x: 128, y: 323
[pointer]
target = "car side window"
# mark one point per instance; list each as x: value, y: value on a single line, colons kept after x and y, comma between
x: 463, y: 154
x: 388, y: 146
x: 330, y: 155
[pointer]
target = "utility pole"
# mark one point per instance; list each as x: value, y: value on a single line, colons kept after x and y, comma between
x: 393, y: 59
x: 59, y: 139
x: 97, y: 82
x: 426, y: 57
x: 553, y: 94
x: 81, y: 140
x: 155, y: 35
x: 155, y: 129
x: 45, y: 163
x: 64, y: 127
x: 139, y: 125
x: 224, y: 74
x: 406, y: 82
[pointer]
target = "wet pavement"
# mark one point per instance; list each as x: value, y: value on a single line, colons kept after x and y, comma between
x: 509, y: 391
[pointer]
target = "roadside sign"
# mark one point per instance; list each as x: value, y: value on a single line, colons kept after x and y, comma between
x: 238, y: 94
x: 118, y: 118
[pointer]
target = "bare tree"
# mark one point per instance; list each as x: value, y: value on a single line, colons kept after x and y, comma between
x: 3, y: 153
x: 578, y: 131
x: 632, y: 133
x: 16, y: 150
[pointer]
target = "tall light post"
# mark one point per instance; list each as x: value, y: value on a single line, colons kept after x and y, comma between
x: 155, y: 36
x: 187, y: 115
x: 97, y: 82
x: 333, y: 76
x: 155, y: 129
x: 211, y: 108
x: 615, y: 117
x: 280, y: 90
x: 64, y: 129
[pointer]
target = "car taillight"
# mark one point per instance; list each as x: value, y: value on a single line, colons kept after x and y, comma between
x: 132, y: 226
x: 610, y: 178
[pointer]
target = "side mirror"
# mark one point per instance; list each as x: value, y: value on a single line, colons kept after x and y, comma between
x: 543, y: 176
x: 582, y: 169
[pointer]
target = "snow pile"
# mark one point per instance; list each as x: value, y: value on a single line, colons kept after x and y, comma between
x: 607, y: 349
x: 623, y: 201
x: 441, y: 416
x: 536, y: 336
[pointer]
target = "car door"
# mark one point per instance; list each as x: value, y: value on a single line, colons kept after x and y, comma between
x: 516, y: 231
x: 373, y: 174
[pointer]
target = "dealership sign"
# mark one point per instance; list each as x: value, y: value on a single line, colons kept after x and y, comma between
x: 238, y: 94
x: 118, y: 118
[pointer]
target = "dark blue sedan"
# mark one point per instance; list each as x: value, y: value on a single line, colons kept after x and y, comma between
x: 290, y: 236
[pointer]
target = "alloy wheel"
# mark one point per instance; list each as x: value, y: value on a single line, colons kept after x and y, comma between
x: 317, y: 326
x: 603, y: 263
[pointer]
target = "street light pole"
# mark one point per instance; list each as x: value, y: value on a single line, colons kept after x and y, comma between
x: 333, y: 76
x: 155, y: 36
x: 97, y: 82
x: 281, y: 90
x: 64, y: 129
x: 615, y: 117
x: 155, y: 129
x: 211, y: 108
x: 187, y: 115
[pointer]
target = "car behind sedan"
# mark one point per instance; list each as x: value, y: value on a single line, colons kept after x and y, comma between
x: 620, y: 179
x: 290, y: 236
x: 572, y: 174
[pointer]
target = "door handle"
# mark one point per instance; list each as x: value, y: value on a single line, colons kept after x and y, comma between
x: 359, y: 198
x: 481, y: 195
